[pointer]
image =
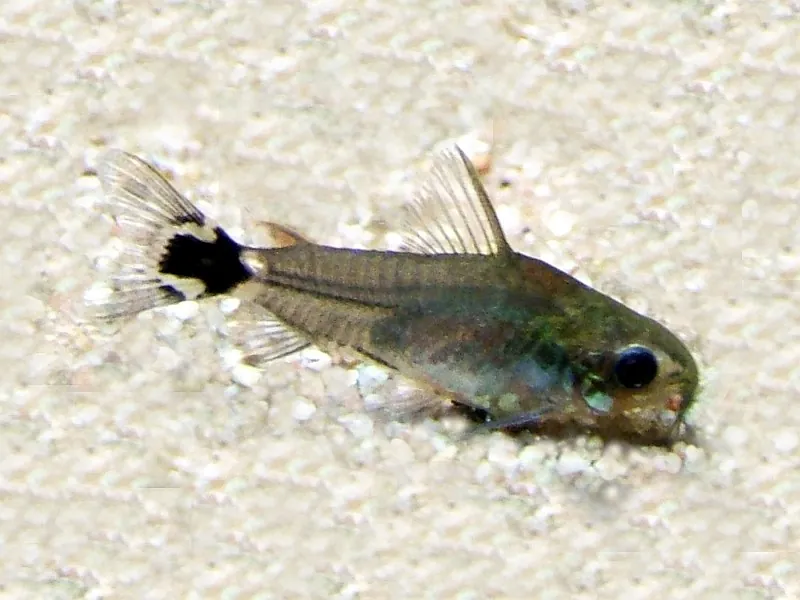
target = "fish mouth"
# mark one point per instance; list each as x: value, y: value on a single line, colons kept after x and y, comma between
x: 682, y: 395
x: 679, y: 403
x: 675, y: 403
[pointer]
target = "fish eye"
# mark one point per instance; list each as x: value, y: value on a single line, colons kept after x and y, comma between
x: 635, y: 367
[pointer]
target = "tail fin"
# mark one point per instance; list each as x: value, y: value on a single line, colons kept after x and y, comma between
x: 171, y: 251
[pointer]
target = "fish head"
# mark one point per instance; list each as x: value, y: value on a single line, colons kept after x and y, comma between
x: 633, y: 372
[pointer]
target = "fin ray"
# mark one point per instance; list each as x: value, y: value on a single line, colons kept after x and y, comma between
x: 166, y: 250
x: 391, y: 396
x: 451, y: 213
x: 260, y: 337
x: 136, y: 188
x: 114, y: 300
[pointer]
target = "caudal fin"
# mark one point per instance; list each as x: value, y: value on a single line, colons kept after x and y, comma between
x: 170, y: 251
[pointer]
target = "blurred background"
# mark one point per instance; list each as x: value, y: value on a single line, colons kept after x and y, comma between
x: 653, y: 148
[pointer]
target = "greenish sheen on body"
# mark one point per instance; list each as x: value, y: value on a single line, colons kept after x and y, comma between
x: 520, y: 342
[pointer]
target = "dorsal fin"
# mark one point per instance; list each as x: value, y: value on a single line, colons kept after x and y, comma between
x: 451, y: 213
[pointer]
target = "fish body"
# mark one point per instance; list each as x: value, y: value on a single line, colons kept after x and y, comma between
x: 511, y: 337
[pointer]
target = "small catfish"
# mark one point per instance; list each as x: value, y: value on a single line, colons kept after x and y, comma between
x: 512, y: 339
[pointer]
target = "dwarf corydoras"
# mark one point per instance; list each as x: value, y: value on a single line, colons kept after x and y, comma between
x: 517, y: 340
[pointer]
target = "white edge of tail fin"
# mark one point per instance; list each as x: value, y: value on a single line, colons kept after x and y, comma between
x: 148, y: 213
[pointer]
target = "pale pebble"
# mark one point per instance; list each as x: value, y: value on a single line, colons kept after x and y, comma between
x: 315, y: 359
x: 532, y: 457
x: 503, y: 452
x: 302, y: 410
x: 228, y: 305
x: 669, y: 463
x: 693, y: 458
x: 85, y: 415
x: 370, y: 377
x: 401, y: 451
x: 542, y: 191
x: 735, y: 436
x: 185, y: 310
x: 483, y: 472
x: 570, y: 463
x: 393, y: 240
x: 246, y: 375
x: 786, y: 441
x: 560, y: 223
x: 359, y: 426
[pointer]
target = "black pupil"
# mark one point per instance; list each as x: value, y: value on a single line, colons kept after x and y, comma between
x: 635, y: 367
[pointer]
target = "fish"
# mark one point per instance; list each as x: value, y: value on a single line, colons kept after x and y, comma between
x: 515, y: 342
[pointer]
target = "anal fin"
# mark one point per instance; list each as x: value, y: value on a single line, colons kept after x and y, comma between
x: 260, y: 337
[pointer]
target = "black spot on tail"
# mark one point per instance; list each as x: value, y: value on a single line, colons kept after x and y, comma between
x: 215, y: 263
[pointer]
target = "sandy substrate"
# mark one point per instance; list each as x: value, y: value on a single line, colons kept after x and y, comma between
x: 654, y: 145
